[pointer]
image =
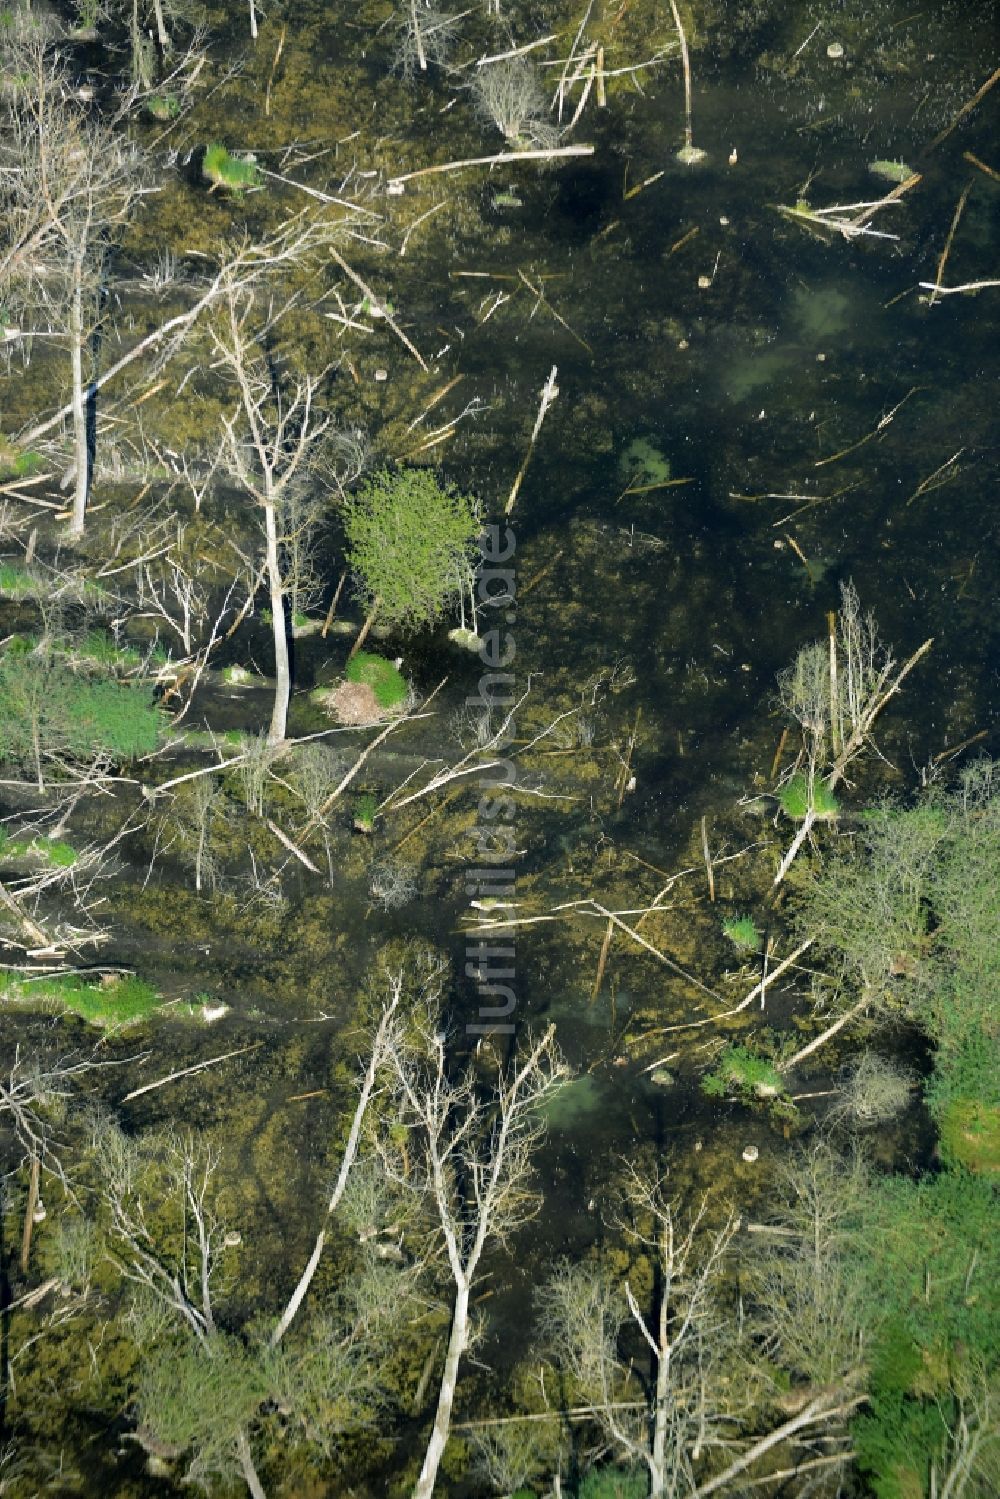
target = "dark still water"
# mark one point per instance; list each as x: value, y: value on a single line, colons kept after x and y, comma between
x: 758, y: 399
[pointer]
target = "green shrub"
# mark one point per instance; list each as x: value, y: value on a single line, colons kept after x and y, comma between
x: 896, y: 1444
x: 744, y: 1073
x: 966, y: 1070
x: 225, y: 170
x: 911, y: 919
x: 411, y: 543
x: 385, y: 680
x: 163, y: 106
x: 929, y: 1256
x: 970, y: 1134
x: 796, y: 801
x: 742, y: 933
x: 200, y: 1399
x: 19, y: 465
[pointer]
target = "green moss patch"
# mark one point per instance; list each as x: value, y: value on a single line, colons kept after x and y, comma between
x: 970, y: 1134
x: 890, y: 171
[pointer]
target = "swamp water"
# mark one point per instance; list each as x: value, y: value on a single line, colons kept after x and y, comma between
x: 751, y: 412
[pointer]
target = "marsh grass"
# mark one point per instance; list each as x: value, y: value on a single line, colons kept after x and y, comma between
x: 121, y: 1002
x: 46, y: 709
x: 18, y: 582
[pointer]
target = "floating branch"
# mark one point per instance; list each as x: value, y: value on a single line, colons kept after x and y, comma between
x: 966, y: 109
x: 549, y: 392
x: 550, y: 154
x: 364, y: 287
x: 959, y: 209
x: 484, y: 62
x: 188, y: 1071
x: 950, y: 291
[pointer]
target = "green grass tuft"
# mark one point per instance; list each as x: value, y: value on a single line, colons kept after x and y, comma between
x: 384, y: 679
x: 742, y: 933
x: 103, y: 650
x: 742, y: 1072
x: 795, y: 800
x: 613, y: 1483
x: 364, y: 811
x: 225, y: 170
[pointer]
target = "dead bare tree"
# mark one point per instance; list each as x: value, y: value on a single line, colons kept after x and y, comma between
x: 385, y: 1041
x: 181, y: 1280
x: 475, y: 1160
x: 246, y: 264
x: 30, y: 1088
x: 190, y: 579
x: 688, y: 1408
x: 973, y: 1448
x: 67, y: 183
x: 274, y: 444
x: 171, y: 1245
x: 835, y: 690
x: 807, y: 1316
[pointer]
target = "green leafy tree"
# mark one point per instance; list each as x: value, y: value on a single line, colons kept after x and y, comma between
x: 932, y: 1421
x: 411, y: 543
x: 911, y: 923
